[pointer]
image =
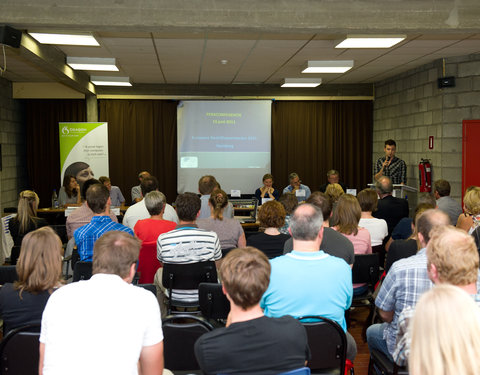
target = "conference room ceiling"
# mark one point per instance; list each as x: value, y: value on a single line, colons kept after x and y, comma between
x: 159, y: 43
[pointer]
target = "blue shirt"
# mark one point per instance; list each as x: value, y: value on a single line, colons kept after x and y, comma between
x: 305, y: 188
x: 116, y: 196
x: 86, y: 236
x: 312, y: 283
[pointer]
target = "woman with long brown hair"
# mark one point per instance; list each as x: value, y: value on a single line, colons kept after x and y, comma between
x: 70, y: 191
x: 229, y: 231
x: 39, y: 270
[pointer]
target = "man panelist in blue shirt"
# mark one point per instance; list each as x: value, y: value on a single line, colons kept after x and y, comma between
x: 98, y: 200
x: 302, y: 192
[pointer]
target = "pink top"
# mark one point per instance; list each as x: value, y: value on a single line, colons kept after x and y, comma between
x: 362, y: 244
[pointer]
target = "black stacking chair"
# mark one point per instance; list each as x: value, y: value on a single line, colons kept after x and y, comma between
x: 381, y: 363
x: 82, y: 271
x: 214, y: 305
x: 19, y: 353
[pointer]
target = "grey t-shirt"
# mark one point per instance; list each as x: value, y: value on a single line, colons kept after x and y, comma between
x: 333, y: 243
x: 228, y: 230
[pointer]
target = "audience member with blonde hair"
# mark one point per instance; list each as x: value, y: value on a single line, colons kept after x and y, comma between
x: 378, y: 229
x: 452, y: 258
x: 229, y: 231
x: 39, y: 270
x: 445, y: 333
x: 465, y: 220
x: 26, y: 219
x: 471, y: 206
x: 272, y: 218
x: 334, y: 192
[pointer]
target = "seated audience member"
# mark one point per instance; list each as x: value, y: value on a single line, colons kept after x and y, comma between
x: 302, y: 192
x: 229, y: 231
x: 389, y: 208
x: 136, y: 192
x: 139, y: 211
x: 115, y: 193
x: 206, y: 185
x: 69, y: 193
x: 452, y: 258
x: 333, y: 243
x: 400, y: 249
x: 26, y: 219
x: 83, y: 215
x: 406, y: 281
x: 345, y: 221
x: 98, y: 200
x: 465, y: 220
x: 289, y: 202
x: 334, y: 192
x: 308, y: 281
x: 404, y: 229
x: 186, y: 244
x: 368, y: 200
x: 441, y: 191
x: 100, y: 308
x: 445, y: 333
x: 270, y: 241
x: 471, y: 205
x: 39, y: 270
x: 333, y: 177
x: 251, y: 343
x: 267, y: 191
x: 148, y: 230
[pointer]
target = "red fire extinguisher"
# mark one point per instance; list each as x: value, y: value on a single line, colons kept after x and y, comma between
x: 425, y: 175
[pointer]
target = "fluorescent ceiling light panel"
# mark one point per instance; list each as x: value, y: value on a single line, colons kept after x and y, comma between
x: 370, y: 41
x: 92, y: 63
x: 65, y: 39
x: 301, y: 82
x: 110, y: 81
x: 328, y: 66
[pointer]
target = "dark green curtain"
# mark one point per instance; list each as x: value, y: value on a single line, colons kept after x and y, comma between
x: 312, y: 137
x: 142, y: 135
x: 43, y: 147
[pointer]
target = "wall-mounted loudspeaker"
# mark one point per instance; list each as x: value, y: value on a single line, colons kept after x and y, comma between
x: 10, y: 36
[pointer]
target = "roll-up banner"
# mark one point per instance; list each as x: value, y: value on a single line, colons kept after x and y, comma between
x: 83, y: 150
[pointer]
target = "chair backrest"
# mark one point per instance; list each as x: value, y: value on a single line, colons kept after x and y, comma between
x: 19, y: 351
x: 327, y: 342
x: 188, y: 276
x: 213, y: 303
x: 150, y: 287
x: 366, y: 269
x: 148, y: 263
x: 14, y: 254
x: 8, y: 274
x: 180, y: 334
x: 82, y: 271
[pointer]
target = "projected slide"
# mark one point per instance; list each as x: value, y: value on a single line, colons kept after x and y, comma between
x: 228, y: 139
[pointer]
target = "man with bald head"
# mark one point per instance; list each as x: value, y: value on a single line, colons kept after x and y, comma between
x: 308, y: 281
x: 405, y: 282
x: 391, y: 209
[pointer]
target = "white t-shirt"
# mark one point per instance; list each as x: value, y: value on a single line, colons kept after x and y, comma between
x: 99, y: 326
x: 139, y: 211
x: 377, y: 227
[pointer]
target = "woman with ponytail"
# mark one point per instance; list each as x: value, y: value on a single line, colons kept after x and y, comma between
x: 229, y: 231
x: 26, y: 219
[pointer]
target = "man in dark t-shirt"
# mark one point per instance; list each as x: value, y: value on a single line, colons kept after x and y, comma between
x: 251, y: 343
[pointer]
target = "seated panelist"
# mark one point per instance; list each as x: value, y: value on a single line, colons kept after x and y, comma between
x: 267, y: 192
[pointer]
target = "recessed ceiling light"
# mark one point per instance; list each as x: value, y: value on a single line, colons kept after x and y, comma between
x: 328, y: 66
x: 92, y: 63
x: 224, y: 62
x: 110, y: 81
x: 65, y: 39
x: 301, y: 82
x: 370, y: 41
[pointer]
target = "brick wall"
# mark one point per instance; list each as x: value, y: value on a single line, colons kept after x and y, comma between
x: 409, y: 108
x: 13, y: 177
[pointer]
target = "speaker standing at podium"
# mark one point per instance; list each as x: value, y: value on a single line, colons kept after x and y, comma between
x: 391, y: 166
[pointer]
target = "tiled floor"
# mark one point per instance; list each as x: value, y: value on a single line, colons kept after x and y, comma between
x: 358, y: 317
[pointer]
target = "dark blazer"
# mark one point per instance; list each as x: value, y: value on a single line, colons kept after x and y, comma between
x: 392, y: 210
